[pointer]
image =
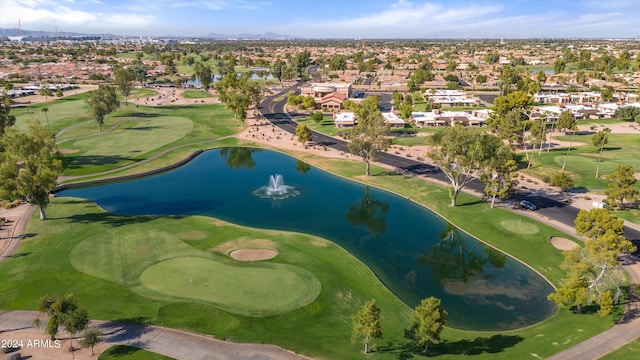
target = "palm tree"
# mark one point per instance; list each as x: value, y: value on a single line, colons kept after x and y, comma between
x: 601, y: 139
x: 45, y: 110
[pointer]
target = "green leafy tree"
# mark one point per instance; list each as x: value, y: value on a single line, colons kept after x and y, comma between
x: 45, y: 110
x: 66, y: 313
x: 338, y: 62
x: 279, y: 68
x: 30, y: 165
x: 606, y: 94
x: 304, y: 134
x: 559, y: 66
x: 102, y: 102
x: 621, y: 185
x: 502, y: 181
x: 595, y: 262
x: 45, y: 91
x: 301, y: 62
x: 464, y: 155
x: 511, y: 128
x: 628, y: 113
x: 541, y: 77
x: 562, y: 180
x: 6, y: 119
x: 123, y: 79
x: 428, y: 321
x: 204, y: 73
x: 572, y: 292
x: 519, y: 102
x: 369, y: 136
x: 366, y: 324
x: 406, y: 109
x: 90, y: 338
x: 317, y: 116
x: 599, y: 140
x: 397, y: 99
x: 238, y: 94
x: 605, y: 301
x: 567, y: 121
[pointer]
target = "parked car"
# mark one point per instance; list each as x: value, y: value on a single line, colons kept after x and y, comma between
x: 528, y: 205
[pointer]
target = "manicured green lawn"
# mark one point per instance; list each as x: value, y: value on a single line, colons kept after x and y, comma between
x: 123, y: 352
x: 582, y: 161
x: 253, y: 290
x: 195, y: 94
x: 134, y: 267
x: 326, y: 126
x: 135, y: 133
x: 135, y: 138
x: 632, y: 215
x: 142, y: 92
x: 629, y: 351
x: 62, y: 112
x: 56, y: 258
x: 411, y: 140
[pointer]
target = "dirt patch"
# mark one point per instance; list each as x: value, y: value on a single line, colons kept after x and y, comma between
x: 562, y: 243
x: 253, y: 254
x: 244, y: 243
x: 68, y: 151
x: 318, y: 243
x: 193, y: 235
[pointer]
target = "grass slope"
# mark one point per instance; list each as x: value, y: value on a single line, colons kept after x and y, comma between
x: 43, y: 266
x: 582, y: 161
x: 246, y: 289
x: 123, y: 352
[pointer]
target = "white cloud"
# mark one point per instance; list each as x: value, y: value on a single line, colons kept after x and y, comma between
x: 216, y: 4
x: 36, y: 14
x: 404, y: 16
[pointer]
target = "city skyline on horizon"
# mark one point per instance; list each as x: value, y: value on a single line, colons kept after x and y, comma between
x: 377, y: 19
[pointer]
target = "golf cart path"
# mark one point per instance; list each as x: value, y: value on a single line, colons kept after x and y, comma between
x: 169, y: 342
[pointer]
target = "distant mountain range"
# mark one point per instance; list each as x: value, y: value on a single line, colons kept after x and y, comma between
x: 40, y: 33
x: 265, y: 36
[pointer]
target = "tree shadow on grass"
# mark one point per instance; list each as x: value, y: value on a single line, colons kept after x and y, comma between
x: 112, y: 220
x: 76, y: 162
x: 141, y: 115
x: 147, y: 128
x: 121, y: 351
x: 490, y: 345
x: 129, y: 332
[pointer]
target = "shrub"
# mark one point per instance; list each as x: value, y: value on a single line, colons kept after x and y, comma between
x: 316, y: 116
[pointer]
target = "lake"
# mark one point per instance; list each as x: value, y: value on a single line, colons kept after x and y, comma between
x: 415, y: 252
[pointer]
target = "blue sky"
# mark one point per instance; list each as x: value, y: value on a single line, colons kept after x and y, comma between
x: 332, y: 18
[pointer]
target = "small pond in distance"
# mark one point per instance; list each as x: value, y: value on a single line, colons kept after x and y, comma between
x: 415, y: 253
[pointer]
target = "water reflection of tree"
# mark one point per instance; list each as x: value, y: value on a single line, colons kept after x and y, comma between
x: 238, y: 157
x: 452, y: 260
x: 302, y: 167
x: 369, y: 212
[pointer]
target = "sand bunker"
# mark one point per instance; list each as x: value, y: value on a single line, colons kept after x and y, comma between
x: 562, y: 243
x: 253, y: 254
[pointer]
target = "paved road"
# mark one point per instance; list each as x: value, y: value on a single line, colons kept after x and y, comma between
x: 272, y: 109
x: 621, y: 334
x: 173, y: 343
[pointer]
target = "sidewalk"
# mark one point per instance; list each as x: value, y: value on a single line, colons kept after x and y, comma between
x: 19, y: 325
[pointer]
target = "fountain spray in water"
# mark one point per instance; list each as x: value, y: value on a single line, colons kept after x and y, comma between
x: 276, y: 189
